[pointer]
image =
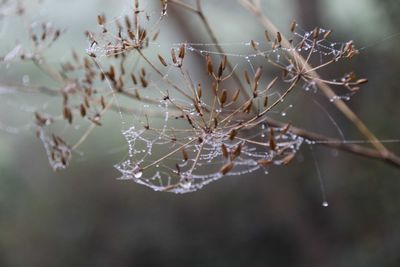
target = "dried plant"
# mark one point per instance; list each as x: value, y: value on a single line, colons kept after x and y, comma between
x: 192, y: 128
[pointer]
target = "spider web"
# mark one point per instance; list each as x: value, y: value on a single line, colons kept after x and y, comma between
x: 176, y: 156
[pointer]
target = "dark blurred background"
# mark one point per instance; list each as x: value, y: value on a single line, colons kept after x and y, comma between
x: 83, y: 216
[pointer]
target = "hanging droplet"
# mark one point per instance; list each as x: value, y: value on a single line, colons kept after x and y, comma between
x: 138, y: 174
x: 325, y: 204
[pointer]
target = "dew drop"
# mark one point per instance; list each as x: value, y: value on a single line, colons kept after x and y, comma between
x: 25, y: 80
x: 325, y: 204
x: 186, y: 184
x: 138, y: 174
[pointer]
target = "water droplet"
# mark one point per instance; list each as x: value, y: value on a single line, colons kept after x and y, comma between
x: 186, y: 184
x: 26, y: 79
x: 325, y: 204
x: 137, y: 172
x: 138, y: 175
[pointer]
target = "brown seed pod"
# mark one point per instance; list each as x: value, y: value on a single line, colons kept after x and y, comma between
x: 67, y: 114
x: 293, y: 26
x: 315, y: 33
x: 327, y: 34
x: 63, y: 160
x: 286, y: 160
x: 101, y: 19
x: 155, y: 36
x: 264, y: 162
x: 232, y: 134
x: 224, y: 150
x: 236, y: 153
x: 224, y: 62
x: 103, y: 102
x: 361, y: 81
x: 278, y: 37
x: 111, y: 73
x: 55, y: 140
x: 182, y: 51
x: 173, y: 56
x: 254, y: 45
x: 266, y: 101
x: 223, y: 97
x: 82, y: 110
x: 236, y: 95
x: 162, y: 60
x: 246, y: 77
x: 209, y: 64
x: 226, y: 168
x: 272, y: 142
x: 144, y: 82
x: 185, y: 155
x: 220, y: 70
x: 199, y: 90
x: 86, y: 102
x: 258, y: 74
x: 286, y: 128
x: 134, y: 80
x: 248, y: 107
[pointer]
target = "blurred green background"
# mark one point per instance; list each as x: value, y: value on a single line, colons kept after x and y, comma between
x: 83, y: 216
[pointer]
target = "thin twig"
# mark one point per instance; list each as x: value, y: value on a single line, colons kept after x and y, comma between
x: 355, y: 149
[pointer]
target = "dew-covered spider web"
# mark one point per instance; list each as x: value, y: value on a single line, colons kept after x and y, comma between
x: 195, y: 141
